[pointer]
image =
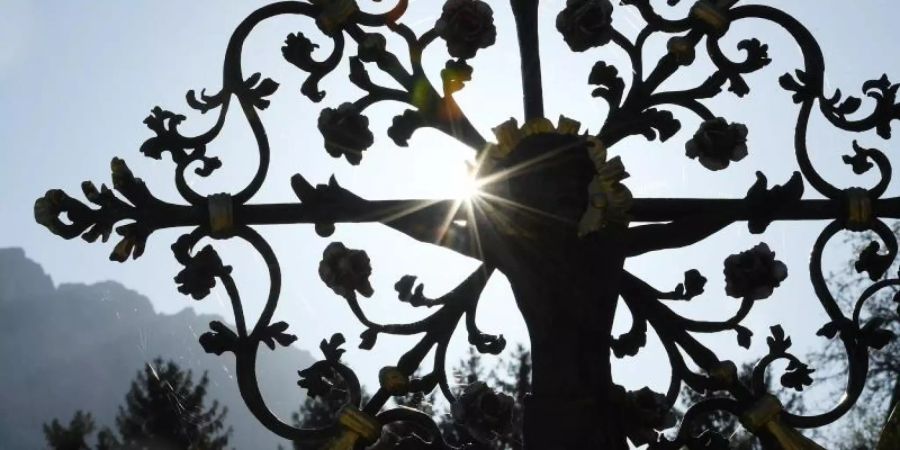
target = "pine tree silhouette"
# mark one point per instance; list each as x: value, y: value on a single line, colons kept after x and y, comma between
x: 164, y: 410
x: 71, y: 437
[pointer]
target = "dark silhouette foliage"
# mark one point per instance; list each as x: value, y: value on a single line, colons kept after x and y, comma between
x: 164, y: 410
x: 71, y: 437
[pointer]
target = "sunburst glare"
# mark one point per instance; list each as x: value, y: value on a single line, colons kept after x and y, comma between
x: 467, y: 185
x: 468, y: 188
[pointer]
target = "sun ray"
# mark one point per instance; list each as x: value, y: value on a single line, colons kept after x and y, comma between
x: 525, y: 166
x: 400, y: 213
x: 517, y: 205
x: 448, y: 221
x: 473, y: 229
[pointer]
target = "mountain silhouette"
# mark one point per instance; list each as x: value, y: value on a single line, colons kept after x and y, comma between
x: 75, y: 346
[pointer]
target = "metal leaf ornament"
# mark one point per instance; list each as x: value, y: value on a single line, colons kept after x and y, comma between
x: 610, y: 200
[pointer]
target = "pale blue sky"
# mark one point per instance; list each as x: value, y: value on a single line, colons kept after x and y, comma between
x: 78, y: 77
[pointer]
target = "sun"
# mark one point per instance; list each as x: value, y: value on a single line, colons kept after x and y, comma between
x: 467, y: 185
x: 468, y: 188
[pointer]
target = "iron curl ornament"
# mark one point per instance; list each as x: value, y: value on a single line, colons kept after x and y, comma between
x: 555, y: 217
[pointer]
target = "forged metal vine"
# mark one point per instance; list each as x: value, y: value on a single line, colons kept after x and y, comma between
x: 555, y: 217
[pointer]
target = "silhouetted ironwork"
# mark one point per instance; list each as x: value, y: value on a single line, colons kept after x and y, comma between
x: 554, y: 217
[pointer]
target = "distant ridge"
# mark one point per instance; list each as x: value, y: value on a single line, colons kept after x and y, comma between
x: 78, y: 346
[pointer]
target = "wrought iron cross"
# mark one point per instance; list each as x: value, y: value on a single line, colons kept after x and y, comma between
x: 554, y: 217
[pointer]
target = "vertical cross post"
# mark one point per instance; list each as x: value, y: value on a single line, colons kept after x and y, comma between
x: 526, y: 15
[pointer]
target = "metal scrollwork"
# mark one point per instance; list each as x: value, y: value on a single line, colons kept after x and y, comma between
x: 556, y: 217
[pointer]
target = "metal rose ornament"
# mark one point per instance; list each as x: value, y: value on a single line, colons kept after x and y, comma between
x: 485, y: 414
x: 199, y: 274
x: 466, y: 26
x: 346, y: 132
x: 650, y: 414
x: 586, y: 23
x: 753, y: 274
x: 718, y: 143
x: 346, y: 271
x: 372, y: 48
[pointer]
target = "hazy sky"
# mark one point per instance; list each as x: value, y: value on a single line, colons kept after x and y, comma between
x: 77, y: 79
